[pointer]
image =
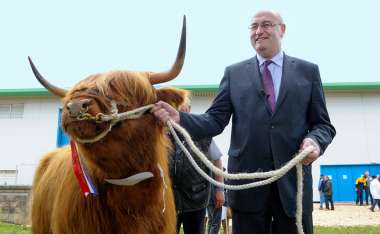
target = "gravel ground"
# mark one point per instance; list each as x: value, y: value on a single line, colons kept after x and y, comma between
x: 346, y: 215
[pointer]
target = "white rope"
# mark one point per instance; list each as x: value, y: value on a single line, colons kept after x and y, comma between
x: 97, y: 138
x: 240, y: 176
x: 299, y: 196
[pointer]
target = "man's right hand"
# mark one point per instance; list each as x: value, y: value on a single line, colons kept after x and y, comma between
x: 163, y: 112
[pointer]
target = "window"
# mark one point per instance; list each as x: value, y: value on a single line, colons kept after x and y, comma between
x: 12, y: 111
x: 8, y: 177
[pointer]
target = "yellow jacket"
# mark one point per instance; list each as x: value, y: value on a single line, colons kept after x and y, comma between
x: 361, y: 182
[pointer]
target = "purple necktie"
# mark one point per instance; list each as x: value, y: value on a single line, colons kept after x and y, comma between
x: 268, y: 85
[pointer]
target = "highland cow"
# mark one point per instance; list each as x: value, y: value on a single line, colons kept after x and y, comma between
x: 130, y: 147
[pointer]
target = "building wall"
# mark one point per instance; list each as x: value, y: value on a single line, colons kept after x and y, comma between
x: 24, y: 141
x: 355, y: 115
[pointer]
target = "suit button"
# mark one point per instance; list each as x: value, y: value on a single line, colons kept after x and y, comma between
x: 272, y: 126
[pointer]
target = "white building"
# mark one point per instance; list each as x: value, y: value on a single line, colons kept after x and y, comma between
x: 29, y: 128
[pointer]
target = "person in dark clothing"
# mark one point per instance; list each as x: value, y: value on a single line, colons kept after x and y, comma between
x: 191, y: 190
x: 328, y: 191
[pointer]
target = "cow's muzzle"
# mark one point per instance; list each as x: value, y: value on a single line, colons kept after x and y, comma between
x: 78, y: 107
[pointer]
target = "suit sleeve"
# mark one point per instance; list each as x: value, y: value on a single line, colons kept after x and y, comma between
x: 321, y: 130
x: 216, y: 117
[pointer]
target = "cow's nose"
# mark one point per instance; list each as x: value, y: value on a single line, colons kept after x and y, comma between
x: 78, y: 106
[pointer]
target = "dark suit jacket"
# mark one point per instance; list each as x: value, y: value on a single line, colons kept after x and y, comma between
x: 260, y: 140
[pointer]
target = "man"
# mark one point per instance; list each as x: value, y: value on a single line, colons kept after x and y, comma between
x: 328, y: 192
x: 278, y: 107
x: 191, y: 191
x: 360, y: 185
x: 321, y: 184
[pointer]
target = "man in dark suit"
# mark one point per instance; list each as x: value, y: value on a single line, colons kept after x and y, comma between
x: 278, y: 107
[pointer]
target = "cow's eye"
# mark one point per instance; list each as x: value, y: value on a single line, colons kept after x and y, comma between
x: 93, y: 91
x: 122, y: 106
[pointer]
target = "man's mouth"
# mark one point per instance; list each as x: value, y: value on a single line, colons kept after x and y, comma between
x: 261, y: 39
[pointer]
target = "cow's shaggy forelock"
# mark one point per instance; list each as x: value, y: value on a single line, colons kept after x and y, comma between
x: 130, y: 88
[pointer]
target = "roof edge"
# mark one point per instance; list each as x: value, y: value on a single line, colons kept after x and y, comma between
x: 339, y: 86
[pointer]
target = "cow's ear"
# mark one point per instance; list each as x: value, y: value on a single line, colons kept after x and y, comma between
x: 175, y: 97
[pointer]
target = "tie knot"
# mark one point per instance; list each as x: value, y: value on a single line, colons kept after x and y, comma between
x: 267, y: 63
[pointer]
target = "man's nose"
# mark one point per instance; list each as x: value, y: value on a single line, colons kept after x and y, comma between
x: 260, y: 29
x: 78, y: 106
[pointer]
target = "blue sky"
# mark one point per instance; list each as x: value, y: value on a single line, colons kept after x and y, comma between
x: 69, y: 40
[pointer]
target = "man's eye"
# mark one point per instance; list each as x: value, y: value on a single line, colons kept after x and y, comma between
x: 267, y: 25
x: 254, y: 26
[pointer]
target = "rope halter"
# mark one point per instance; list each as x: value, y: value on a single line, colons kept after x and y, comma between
x: 112, y: 118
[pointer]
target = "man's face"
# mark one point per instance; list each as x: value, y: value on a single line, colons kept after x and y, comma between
x: 266, y: 34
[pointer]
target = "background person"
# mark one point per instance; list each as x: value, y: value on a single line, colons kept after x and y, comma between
x: 278, y: 107
x: 191, y: 190
x: 375, y: 191
x: 214, y: 208
x: 321, y: 184
x: 367, y: 192
x: 328, y: 192
x: 360, y: 185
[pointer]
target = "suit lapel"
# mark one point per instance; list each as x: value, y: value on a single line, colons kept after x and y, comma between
x: 254, y: 77
x: 288, y: 69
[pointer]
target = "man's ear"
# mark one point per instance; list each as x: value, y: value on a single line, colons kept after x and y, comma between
x: 175, y: 97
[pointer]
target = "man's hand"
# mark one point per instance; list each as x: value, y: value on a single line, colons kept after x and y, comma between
x: 163, y: 112
x: 314, y: 154
x: 219, y: 199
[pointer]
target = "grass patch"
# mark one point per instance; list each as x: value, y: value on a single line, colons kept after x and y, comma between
x: 348, y: 230
x: 13, y: 229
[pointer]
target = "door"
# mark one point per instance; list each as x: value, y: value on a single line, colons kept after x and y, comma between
x: 345, y: 189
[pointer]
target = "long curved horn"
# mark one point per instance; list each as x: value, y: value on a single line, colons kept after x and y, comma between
x: 53, y: 89
x: 161, y: 77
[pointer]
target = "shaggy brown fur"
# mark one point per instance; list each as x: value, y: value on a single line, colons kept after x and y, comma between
x: 131, y: 147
